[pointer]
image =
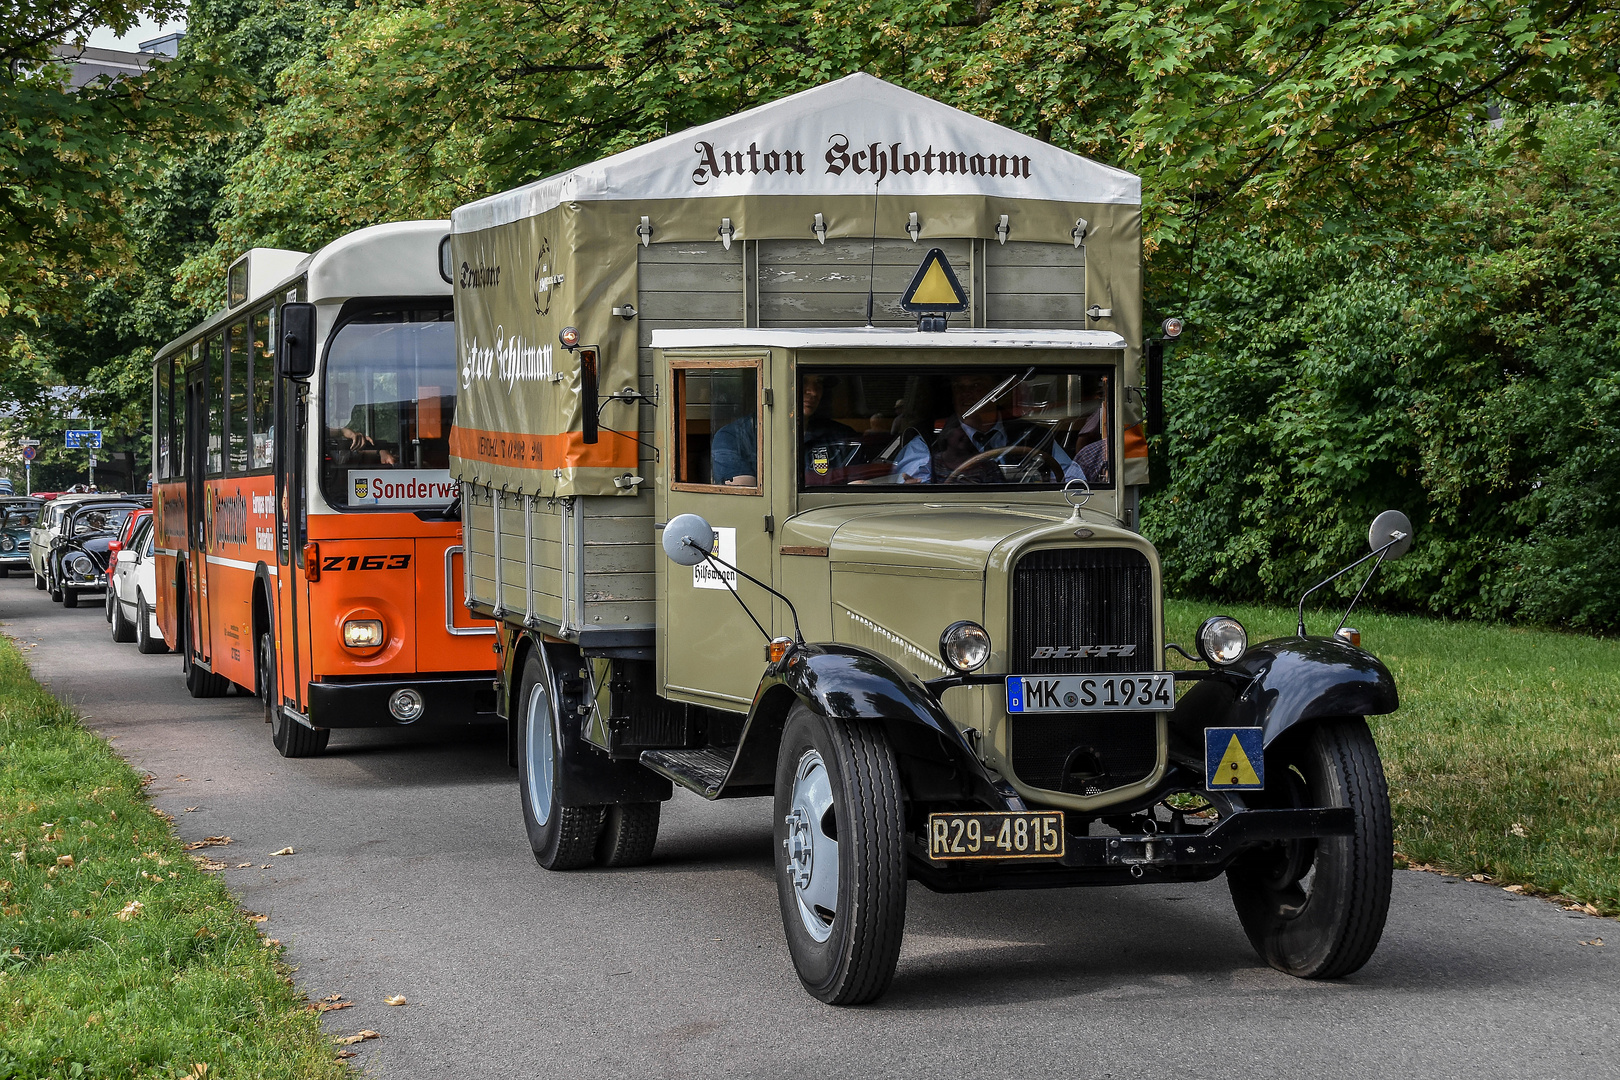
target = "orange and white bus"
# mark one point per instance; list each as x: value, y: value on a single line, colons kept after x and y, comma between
x: 308, y: 542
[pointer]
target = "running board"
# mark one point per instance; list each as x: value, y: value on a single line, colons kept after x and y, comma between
x: 701, y: 771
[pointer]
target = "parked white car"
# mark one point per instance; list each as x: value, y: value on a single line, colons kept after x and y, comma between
x: 134, y: 584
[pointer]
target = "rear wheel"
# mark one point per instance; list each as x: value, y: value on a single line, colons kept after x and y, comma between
x: 291, y: 739
x: 108, y: 601
x: 629, y: 832
x: 199, y: 683
x: 145, y: 640
x: 1316, y: 908
x: 840, y: 855
x: 122, y: 629
x: 562, y: 837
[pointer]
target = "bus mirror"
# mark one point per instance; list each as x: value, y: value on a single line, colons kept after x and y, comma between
x: 295, y: 350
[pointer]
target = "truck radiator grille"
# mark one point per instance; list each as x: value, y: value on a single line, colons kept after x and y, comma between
x: 1065, y: 601
x: 1083, y: 755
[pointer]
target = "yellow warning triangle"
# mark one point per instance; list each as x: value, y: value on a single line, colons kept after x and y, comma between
x: 1235, y: 767
x: 934, y: 286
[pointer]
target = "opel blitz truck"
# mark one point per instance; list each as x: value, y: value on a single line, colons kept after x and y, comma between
x: 869, y: 371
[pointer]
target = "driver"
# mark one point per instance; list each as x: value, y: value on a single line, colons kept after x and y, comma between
x: 975, y: 430
x: 736, y: 446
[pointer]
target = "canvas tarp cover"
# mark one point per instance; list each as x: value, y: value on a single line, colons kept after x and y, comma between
x: 862, y: 153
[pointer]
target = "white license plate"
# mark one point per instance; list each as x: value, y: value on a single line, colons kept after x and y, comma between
x: 996, y: 834
x: 1148, y: 691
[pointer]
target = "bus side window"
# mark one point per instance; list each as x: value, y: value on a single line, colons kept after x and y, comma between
x: 238, y: 382
x: 161, y: 433
x: 264, y: 366
x: 215, y: 409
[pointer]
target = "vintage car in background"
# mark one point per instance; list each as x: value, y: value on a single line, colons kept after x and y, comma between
x: 134, y: 584
x: 126, y: 536
x: 17, y: 517
x: 44, y: 530
x: 78, y: 558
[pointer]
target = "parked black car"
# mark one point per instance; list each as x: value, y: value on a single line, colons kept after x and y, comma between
x: 78, y: 562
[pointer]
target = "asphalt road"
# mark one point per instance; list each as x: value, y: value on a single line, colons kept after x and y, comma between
x: 412, y: 876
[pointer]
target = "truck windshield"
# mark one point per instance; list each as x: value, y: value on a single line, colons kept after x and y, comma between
x: 387, y: 401
x: 976, y: 427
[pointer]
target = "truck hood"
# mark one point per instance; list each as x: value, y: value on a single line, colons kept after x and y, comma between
x: 941, y: 535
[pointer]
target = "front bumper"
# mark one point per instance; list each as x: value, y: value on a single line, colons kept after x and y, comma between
x: 1123, y: 860
x: 355, y: 703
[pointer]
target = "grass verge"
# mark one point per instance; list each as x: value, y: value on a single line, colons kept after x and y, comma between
x: 1504, y: 758
x: 118, y: 956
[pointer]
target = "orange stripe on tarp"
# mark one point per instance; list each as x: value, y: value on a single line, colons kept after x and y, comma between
x: 1135, y: 442
x: 565, y: 451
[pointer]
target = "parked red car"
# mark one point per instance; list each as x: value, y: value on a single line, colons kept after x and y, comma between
x: 118, y: 545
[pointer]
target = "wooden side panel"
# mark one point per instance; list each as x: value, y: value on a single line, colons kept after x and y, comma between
x: 1032, y: 286
x: 804, y: 283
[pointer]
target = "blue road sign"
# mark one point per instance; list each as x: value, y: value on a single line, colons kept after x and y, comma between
x: 82, y: 437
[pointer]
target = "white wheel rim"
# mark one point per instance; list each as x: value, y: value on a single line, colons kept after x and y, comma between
x: 812, y: 853
x: 537, y: 739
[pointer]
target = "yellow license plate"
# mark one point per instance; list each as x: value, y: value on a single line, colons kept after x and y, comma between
x: 1000, y: 834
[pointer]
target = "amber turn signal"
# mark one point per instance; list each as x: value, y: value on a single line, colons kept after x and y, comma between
x: 1349, y: 635
x: 312, y: 561
x: 776, y: 649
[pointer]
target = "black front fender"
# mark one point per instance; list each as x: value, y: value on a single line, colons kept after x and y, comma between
x: 849, y: 683
x: 1278, y: 684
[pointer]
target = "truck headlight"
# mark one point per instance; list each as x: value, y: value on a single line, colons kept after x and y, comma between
x: 1222, y: 640
x: 965, y: 646
x: 363, y: 633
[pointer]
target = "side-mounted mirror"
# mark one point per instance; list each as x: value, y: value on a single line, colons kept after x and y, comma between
x: 1393, y: 528
x: 295, y: 349
x: 688, y: 539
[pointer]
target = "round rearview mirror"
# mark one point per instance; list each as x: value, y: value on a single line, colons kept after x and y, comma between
x: 687, y: 539
x: 1388, y: 526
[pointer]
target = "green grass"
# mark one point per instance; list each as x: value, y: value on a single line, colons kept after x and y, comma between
x: 1501, y: 731
x: 186, y: 987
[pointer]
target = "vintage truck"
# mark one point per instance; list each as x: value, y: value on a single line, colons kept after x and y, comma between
x: 869, y: 370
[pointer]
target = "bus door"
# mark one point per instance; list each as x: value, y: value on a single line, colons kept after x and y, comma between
x: 290, y: 616
x: 196, y: 517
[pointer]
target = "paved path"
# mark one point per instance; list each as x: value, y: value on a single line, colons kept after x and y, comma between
x: 412, y: 876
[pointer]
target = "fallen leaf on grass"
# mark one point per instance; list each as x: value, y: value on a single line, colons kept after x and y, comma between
x: 271, y: 942
x: 345, y: 1054
x: 1589, y: 909
x: 198, y: 1071
x: 1479, y: 877
x: 253, y: 916
x: 1513, y: 888
x: 1518, y: 830
x: 332, y: 1006
x: 64, y: 860
x: 359, y: 1036
x: 205, y: 863
x: 394, y: 999
x: 131, y: 909
x: 210, y: 841
x: 284, y: 851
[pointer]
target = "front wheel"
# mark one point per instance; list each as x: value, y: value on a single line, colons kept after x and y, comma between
x: 1316, y: 908
x: 562, y: 837
x: 70, y: 598
x: 840, y: 855
x: 291, y: 739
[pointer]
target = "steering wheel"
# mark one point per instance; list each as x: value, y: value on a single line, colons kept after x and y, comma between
x: 1032, y: 461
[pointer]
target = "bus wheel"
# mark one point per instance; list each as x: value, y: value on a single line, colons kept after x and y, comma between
x: 562, y: 837
x: 840, y: 855
x: 291, y: 738
x: 145, y: 640
x: 629, y: 832
x: 1316, y: 908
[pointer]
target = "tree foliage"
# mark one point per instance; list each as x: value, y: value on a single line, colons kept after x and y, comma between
x: 1464, y: 370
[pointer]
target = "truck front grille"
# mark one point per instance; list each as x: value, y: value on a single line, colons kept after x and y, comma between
x: 1065, y: 604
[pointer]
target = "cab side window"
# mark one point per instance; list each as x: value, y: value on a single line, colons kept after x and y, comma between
x: 717, y: 419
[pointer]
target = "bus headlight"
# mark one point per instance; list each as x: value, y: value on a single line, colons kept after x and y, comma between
x: 1222, y: 641
x: 965, y: 646
x: 363, y: 633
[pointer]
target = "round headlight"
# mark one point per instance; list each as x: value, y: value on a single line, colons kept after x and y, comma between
x: 7, y: 544
x: 1222, y: 640
x: 363, y: 633
x: 965, y: 645
x: 83, y: 566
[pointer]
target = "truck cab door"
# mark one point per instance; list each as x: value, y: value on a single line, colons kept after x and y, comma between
x: 709, y: 650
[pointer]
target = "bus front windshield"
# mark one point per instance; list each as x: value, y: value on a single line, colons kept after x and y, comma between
x: 387, y: 401
x: 978, y: 427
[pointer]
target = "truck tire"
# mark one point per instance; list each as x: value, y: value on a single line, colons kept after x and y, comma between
x: 1316, y: 908
x: 123, y: 631
x: 840, y: 807
x: 629, y: 832
x: 290, y: 738
x: 145, y: 642
x: 562, y: 837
